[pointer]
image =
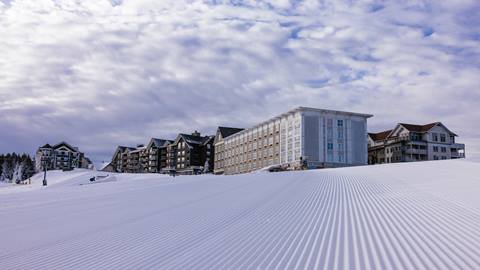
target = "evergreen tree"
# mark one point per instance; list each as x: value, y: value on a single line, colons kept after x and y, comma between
x: 17, y: 172
x: 2, y: 158
x: 29, y: 168
x: 15, y: 167
x: 3, y: 176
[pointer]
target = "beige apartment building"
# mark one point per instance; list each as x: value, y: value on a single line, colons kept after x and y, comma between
x: 316, y: 138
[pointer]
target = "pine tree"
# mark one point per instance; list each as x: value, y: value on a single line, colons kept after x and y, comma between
x: 3, y: 176
x: 2, y: 159
x: 17, y: 172
x: 29, y: 168
x: 14, y: 168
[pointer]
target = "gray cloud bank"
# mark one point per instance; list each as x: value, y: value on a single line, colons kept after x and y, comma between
x: 105, y: 73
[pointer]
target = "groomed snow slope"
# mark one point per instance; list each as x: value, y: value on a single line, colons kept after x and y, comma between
x: 402, y: 216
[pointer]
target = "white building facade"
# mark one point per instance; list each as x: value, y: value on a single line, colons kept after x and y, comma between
x: 316, y: 138
x: 410, y: 142
x: 61, y: 156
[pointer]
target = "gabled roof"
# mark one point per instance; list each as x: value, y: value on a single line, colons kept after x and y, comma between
x: 424, y: 128
x: 228, y: 131
x: 58, y: 145
x: 105, y: 165
x: 191, y: 140
x: 167, y: 143
x: 380, y: 135
x: 410, y: 127
x: 419, y: 128
x: 46, y: 146
x: 208, y: 139
x: 156, y: 142
x: 121, y: 149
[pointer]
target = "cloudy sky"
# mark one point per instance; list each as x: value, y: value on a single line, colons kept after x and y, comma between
x: 102, y: 73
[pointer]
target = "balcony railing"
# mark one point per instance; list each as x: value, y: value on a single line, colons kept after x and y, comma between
x: 416, y: 151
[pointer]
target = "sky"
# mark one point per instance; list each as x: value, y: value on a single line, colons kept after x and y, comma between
x: 102, y: 73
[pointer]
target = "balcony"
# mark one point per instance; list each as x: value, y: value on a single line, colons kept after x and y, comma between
x: 415, y: 151
x: 457, y: 150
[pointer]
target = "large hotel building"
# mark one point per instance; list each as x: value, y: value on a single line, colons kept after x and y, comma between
x: 310, y: 137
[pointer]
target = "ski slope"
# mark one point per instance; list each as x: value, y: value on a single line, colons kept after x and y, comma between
x: 399, y: 216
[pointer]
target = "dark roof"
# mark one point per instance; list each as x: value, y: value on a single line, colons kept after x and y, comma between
x: 228, y: 131
x: 192, y: 139
x: 419, y: 128
x: 122, y: 148
x: 46, y: 146
x: 208, y: 139
x: 166, y: 143
x: 380, y: 135
x: 157, y: 142
x: 58, y: 145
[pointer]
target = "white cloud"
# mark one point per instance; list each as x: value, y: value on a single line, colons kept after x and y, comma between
x: 102, y: 73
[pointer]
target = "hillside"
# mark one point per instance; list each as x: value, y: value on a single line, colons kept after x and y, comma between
x: 399, y: 216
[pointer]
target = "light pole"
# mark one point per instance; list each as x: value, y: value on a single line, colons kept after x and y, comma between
x: 45, y: 164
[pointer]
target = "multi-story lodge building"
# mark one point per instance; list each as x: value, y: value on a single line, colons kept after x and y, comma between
x: 316, y: 138
x: 61, y: 156
x: 190, y: 154
x: 157, y: 155
x: 120, y: 158
x: 407, y: 142
x: 150, y: 158
x: 136, y: 159
x: 220, y: 153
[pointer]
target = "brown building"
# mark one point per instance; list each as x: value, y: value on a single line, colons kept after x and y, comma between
x: 156, y: 151
x: 190, y: 154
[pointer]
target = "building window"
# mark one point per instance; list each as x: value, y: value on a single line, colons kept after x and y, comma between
x: 340, y: 123
x: 340, y: 134
x: 435, y: 157
x: 444, y: 149
x: 435, y: 149
x: 329, y: 123
x: 329, y: 133
x: 330, y: 146
x: 443, y: 138
x: 435, y: 137
x: 444, y: 157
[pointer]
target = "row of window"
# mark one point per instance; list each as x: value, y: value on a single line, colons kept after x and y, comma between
x: 443, y: 149
x: 249, y: 157
x: 330, y: 123
x: 392, y: 149
x: 443, y: 137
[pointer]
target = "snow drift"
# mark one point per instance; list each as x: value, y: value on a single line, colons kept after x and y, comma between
x: 399, y: 216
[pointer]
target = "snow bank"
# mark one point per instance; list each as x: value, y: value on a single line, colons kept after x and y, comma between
x: 399, y: 216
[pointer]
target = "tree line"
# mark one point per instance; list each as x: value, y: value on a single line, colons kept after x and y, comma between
x: 15, y: 168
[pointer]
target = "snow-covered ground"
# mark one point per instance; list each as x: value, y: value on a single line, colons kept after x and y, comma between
x: 399, y: 216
